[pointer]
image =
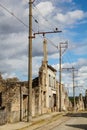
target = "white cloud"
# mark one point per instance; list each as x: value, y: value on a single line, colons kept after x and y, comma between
x: 80, y: 75
x: 7, y: 75
x: 70, y: 17
x: 82, y: 62
x: 83, y: 69
x: 14, y: 37
x: 45, y: 8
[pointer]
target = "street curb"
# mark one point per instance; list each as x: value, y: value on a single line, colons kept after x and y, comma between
x: 41, y: 122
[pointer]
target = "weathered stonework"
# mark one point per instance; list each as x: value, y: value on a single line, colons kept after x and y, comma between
x: 80, y: 103
x: 85, y: 100
x: 45, y: 95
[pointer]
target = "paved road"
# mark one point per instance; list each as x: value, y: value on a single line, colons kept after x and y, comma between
x: 76, y: 121
x: 55, y: 121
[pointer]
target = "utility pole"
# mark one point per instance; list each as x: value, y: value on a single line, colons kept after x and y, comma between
x: 73, y: 69
x: 73, y: 77
x: 20, y: 103
x: 61, y: 46
x: 29, y: 106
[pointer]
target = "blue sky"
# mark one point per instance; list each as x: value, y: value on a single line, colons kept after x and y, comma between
x: 70, y: 16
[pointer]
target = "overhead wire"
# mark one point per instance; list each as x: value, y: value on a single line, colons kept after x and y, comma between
x: 17, y: 18
x: 49, y: 23
x: 52, y: 43
x: 24, y: 23
x: 6, y: 9
x: 69, y: 57
x: 36, y: 21
x: 11, y: 13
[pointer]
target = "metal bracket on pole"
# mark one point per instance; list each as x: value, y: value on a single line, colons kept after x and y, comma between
x: 43, y: 33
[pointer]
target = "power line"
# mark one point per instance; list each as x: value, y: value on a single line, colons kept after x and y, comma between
x: 67, y: 58
x: 35, y: 19
x: 52, y: 43
x: 13, y: 15
x: 52, y: 28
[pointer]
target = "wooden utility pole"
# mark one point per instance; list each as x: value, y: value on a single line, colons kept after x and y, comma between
x: 73, y: 77
x: 20, y: 103
x: 60, y: 89
x: 29, y: 106
x: 61, y: 46
x: 73, y: 69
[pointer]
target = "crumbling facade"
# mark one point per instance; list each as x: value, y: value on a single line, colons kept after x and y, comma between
x: 10, y: 100
x: 45, y: 94
x: 80, y: 103
x: 85, y: 100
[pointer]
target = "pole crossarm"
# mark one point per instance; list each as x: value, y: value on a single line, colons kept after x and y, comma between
x: 63, y: 45
x: 78, y: 86
x: 43, y: 33
x: 72, y: 68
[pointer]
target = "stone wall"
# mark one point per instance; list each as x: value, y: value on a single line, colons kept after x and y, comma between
x: 85, y: 100
x: 45, y: 94
x: 80, y: 103
x: 3, y: 117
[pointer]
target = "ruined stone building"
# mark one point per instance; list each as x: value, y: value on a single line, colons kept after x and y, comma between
x: 45, y: 95
x: 66, y: 104
x: 85, y: 100
x: 80, y: 103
